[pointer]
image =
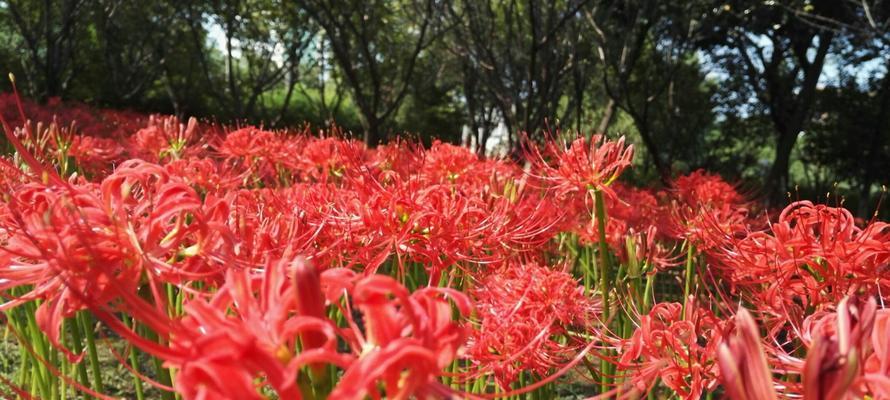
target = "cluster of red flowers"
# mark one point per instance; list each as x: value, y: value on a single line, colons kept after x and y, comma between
x: 523, y: 313
x: 814, y: 255
x: 676, y: 345
x: 252, y: 261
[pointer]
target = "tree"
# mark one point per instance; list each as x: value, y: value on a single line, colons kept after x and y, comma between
x: 641, y: 46
x: 850, y: 134
x: 263, y: 45
x: 127, y: 50
x: 518, y: 58
x: 50, y: 33
x: 376, y: 45
x: 432, y: 109
x: 779, y: 58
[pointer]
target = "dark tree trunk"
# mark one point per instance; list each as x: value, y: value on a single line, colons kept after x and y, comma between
x: 373, y: 135
x: 790, y: 116
x: 664, y: 172
x: 873, y: 150
x: 778, y: 178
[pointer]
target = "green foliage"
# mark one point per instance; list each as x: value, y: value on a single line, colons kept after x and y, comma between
x: 726, y: 85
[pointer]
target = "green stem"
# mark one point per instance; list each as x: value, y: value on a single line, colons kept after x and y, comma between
x: 34, y: 382
x: 689, y: 277
x: 54, y: 387
x: 633, y: 273
x: 66, y: 369
x: 651, y: 395
x: 134, y: 363
x: 165, y: 376
x: 588, y: 270
x: 24, y: 369
x: 77, y: 346
x: 171, y: 299
x: 600, y: 208
x: 521, y: 380
x: 647, y: 293
x: 37, y: 340
x: 86, y: 325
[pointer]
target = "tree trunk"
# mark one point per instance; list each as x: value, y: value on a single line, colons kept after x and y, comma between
x: 873, y: 149
x: 606, y: 120
x: 778, y: 178
x: 664, y: 172
x: 373, y: 135
x: 641, y: 121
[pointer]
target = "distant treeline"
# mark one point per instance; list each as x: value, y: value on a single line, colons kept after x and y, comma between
x: 785, y: 94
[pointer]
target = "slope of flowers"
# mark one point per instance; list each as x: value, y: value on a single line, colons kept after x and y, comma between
x: 246, y: 263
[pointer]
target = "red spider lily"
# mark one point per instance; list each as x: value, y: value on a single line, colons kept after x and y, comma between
x: 95, y: 154
x: 701, y: 188
x: 89, y: 121
x: 218, y: 218
x: 398, y: 157
x: 60, y: 144
x: 205, y: 175
x: 651, y: 251
x: 744, y: 371
x: 265, y: 222
x: 449, y: 164
x: 45, y: 141
x: 619, y: 235
x: 225, y: 344
x: 640, y: 209
x: 310, y: 303
x: 584, y: 165
x: 839, y: 342
x: 393, y: 220
x: 877, y: 365
x: 248, y: 330
x: 812, y: 256
x: 531, y: 318
x: 328, y: 159
x: 82, y: 248
x: 248, y: 143
x: 165, y: 217
x: 706, y: 210
x: 679, y: 348
x: 709, y: 227
x: 166, y: 138
x: 517, y: 224
x: 63, y: 245
x: 264, y: 156
x: 438, y: 225
x: 409, y: 339
x: 845, y: 352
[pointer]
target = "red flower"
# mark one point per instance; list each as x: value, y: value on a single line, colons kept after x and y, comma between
x: 744, y: 371
x: 409, y: 339
x: 814, y: 255
x: 700, y: 188
x: 527, y: 316
x: 584, y: 165
x: 839, y: 342
x: 95, y: 154
x: 877, y: 365
x: 680, y: 349
x: 166, y: 138
x: 248, y: 332
x: 63, y: 246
